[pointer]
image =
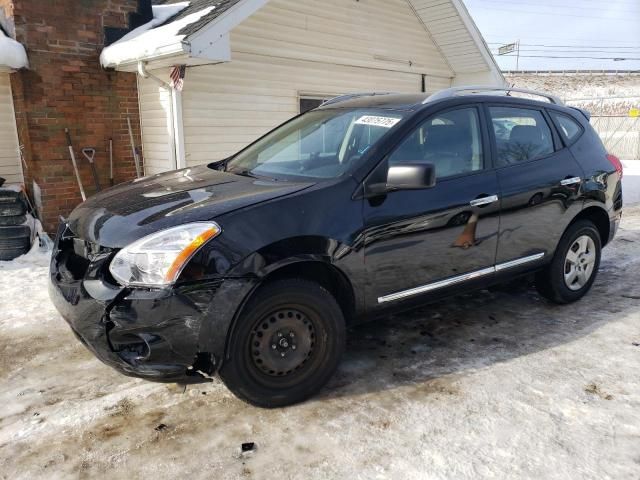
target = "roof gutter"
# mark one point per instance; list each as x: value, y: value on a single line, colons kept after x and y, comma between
x: 142, y: 71
x: 167, y: 51
x: 210, y: 43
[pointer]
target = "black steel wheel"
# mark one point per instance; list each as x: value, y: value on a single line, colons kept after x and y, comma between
x: 286, y: 345
x: 282, y: 342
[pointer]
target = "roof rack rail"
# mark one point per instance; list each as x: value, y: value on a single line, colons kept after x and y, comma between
x: 452, y: 92
x: 351, y: 96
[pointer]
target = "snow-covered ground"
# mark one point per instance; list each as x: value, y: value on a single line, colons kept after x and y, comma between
x: 631, y: 181
x: 487, y: 385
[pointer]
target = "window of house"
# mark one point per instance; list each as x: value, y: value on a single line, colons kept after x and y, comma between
x: 451, y: 141
x: 570, y: 129
x: 309, y: 103
x: 521, y: 134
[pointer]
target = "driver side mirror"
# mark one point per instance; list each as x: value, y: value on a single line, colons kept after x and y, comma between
x: 411, y: 176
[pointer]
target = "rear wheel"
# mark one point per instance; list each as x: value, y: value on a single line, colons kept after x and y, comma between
x: 575, y: 264
x: 287, y: 344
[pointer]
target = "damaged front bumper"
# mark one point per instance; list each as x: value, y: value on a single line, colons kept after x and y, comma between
x: 166, y: 335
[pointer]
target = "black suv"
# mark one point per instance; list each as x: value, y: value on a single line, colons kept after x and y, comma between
x: 253, y: 266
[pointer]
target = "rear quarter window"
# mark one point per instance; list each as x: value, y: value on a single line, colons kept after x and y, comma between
x: 569, y: 128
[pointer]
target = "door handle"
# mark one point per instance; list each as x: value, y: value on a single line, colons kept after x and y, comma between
x: 479, y: 202
x: 570, y: 181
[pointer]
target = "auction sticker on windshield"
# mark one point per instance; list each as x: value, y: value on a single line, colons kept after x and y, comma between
x: 376, y: 121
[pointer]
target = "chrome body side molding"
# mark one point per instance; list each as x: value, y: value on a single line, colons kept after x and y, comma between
x: 519, y: 261
x: 460, y: 278
x: 434, y: 286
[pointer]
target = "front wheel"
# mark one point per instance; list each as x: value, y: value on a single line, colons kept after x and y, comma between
x: 575, y: 264
x: 286, y: 345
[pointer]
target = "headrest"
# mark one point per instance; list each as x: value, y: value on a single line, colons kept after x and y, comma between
x: 525, y: 134
x: 447, y: 137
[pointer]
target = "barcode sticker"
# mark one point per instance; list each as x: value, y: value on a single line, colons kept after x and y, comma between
x: 375, y: 121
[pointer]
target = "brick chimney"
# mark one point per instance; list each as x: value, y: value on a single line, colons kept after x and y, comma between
x: 66, y: 87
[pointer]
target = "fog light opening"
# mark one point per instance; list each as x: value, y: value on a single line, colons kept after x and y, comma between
x: 132, y: 348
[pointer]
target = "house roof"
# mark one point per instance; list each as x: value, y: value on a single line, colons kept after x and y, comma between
x: 455, y: 33
x: 220, y: 6
x: 200, y: 34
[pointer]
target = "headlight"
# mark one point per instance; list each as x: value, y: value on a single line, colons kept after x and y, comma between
x: 158, y: 259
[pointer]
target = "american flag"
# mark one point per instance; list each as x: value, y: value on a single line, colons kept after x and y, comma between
x: 177, y: 77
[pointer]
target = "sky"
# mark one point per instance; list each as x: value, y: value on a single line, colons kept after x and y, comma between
x: 602, y: 30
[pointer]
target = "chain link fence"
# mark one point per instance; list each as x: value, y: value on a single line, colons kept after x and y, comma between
x: 612, y: 119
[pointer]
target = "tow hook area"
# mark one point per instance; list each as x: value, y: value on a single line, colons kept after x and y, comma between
x: 204, y: 365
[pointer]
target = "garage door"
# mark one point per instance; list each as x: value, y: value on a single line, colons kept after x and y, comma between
x: 10, y: 167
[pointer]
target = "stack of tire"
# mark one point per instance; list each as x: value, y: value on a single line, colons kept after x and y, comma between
x: 15, y: 231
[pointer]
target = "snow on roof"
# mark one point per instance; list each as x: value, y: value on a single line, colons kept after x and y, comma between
x: 12, y: 53
x: 152, y: 38
x: 221, y: 6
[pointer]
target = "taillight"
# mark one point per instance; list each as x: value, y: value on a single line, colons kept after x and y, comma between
x: 615, y: 161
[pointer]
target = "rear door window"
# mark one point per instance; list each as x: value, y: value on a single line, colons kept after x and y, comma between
x: 521, y: 134
x: 569, y: 128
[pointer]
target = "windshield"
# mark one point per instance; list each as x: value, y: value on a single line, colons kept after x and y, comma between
x: 320, y: 144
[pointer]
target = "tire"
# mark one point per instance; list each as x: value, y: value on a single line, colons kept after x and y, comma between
x: 14, y: 241
x: 8, y: 254
x: 12, y: 207
x: 555, y: 281
x: 16, y: 231
x: 286, y: 344
x: 12, y: 221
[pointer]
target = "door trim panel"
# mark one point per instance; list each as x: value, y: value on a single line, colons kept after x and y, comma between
x: 460, y: 278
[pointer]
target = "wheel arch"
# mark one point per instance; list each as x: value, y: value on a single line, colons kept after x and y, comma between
x: 310, y: 258
x: 326, y: 261
x: 322, y: 272
x: 600, y: 219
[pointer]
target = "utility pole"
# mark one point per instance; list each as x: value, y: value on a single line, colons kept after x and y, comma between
x: 509, y: 49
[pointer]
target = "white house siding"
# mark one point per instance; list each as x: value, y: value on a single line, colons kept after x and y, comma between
x: 227, y: 106
x: 155, y: 114
x: 10, y: 167
x: 293, y: 48
x: 457, y: 37
x: 384, y: 34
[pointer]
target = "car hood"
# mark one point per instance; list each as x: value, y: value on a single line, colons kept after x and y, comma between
x: 118, y: 216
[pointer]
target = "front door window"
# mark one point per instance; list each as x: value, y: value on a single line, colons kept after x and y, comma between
x: 451, y: 141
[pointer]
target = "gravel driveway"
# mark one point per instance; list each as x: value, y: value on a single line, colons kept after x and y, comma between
x: 487, y: 385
